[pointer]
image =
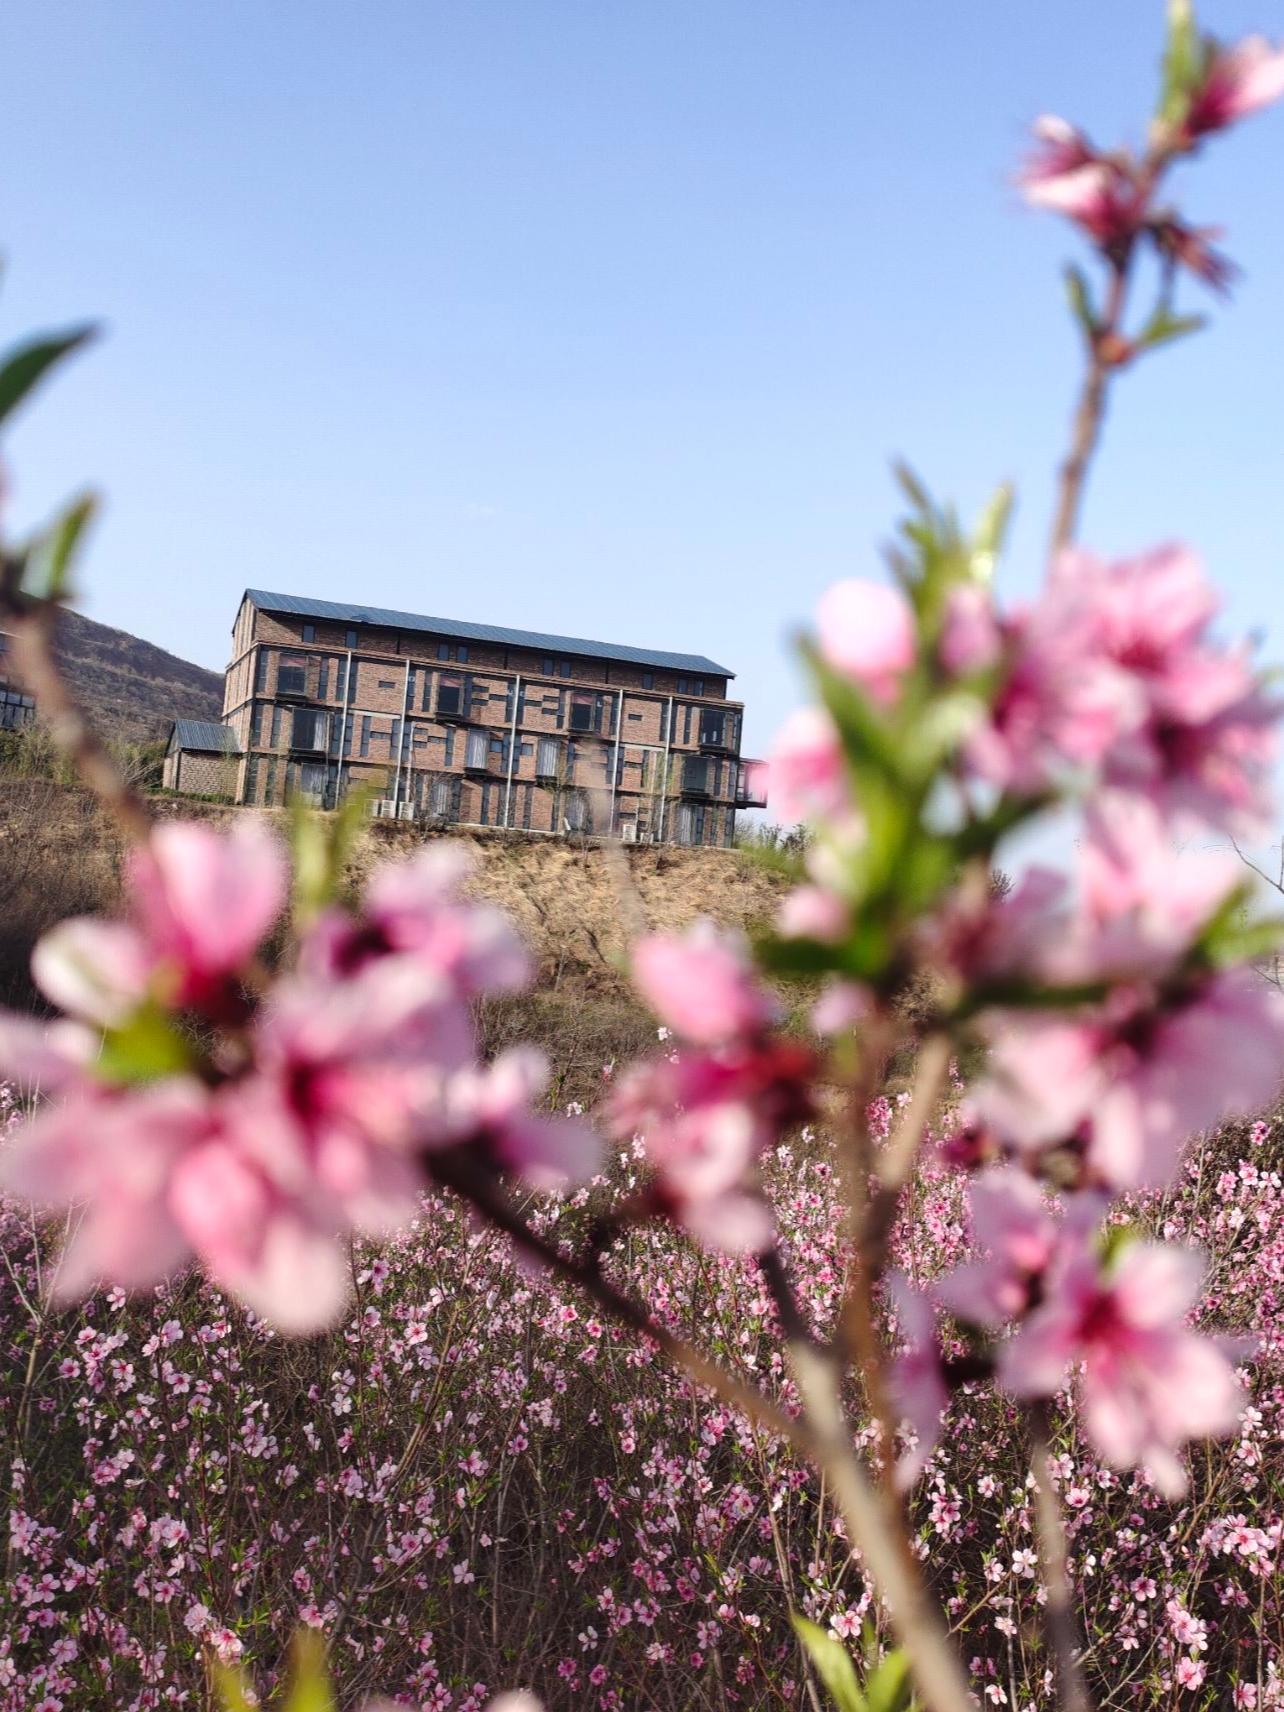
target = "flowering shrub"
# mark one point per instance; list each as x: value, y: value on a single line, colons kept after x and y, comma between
x: 831, y: 1309
x: 475, y: 1478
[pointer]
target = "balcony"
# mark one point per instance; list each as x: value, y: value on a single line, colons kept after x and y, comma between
x: 751, y: 784
x: 717, y: 733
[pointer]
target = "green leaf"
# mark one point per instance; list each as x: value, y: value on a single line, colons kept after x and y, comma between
x: 232, y: 1689
x: 310, y: 1689
x: 1183, y: 63
x: 23, y: 368
x: 1163, y: 327
x: 888, y: 1690
x: 321, y: 845
x: 50, y: 556
x: 991, y: 533
x: 146, y: 1048
x: 833, y: 1665
x: 1080, y: 299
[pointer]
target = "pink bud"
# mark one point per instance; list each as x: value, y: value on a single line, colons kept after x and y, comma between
x: 867, y: 630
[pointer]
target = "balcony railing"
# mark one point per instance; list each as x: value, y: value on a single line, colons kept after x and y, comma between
x: 751, y: 784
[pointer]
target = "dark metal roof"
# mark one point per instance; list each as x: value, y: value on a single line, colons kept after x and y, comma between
x: 341, y: 612
x: 204, y: 734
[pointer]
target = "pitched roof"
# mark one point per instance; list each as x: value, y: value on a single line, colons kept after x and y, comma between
x: 301, y: 607
x: 204, y: 734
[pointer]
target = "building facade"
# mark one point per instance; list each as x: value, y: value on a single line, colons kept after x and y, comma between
x: 17, y: 708
x: 201, y: 759
x: 481, y: 726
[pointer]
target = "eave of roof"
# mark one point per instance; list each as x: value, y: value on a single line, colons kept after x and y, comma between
x: 205, y: 734
x: 299, y: 606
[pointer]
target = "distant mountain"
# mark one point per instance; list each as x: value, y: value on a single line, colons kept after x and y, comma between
x: 130, y: 688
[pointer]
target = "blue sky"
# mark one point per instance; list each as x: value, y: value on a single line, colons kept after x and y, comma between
x: 598, y: 316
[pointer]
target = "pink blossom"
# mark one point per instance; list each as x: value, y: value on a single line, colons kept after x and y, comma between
x: 1133, y: 1081
x: 490, y: 1106
x: 971, y: 639
x: 1238, y: 81
x: 807, y: 769
x: 412, y: 908
x: 98, y: 971
x: 1191, y: 247
x: 1012, y: 1222
x: 706, y: 1119
x: 811, y: 912
x: 1147, y: 1383
x: 703, y: 985
x: 205, y: 900
x: 866, y: 630
x: 1066, y: 175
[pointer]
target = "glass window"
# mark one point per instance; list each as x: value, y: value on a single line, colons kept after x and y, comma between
x: 443, y: 650
x: 441, y: 799
x: 461, y: 654
x: 546, y: 760
x: 697, y: 686
x: 476, y: 750
x: 712, y: 727
x: 292, y: 674
x: 341, y: 681
x: 695, y: 775
x: 563, y: 668
x: 309, y: 633
x: 682, y: 686
x: 546, y: 666
x: 582, y: 711
x: 349, y: 638
x: 648, y: 680
x: 450, y: 694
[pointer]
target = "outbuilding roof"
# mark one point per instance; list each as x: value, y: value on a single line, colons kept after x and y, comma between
x: 299, y: 606
x: 205, y: 735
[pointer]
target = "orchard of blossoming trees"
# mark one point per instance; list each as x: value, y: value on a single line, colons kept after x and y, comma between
x: 603, y: 1417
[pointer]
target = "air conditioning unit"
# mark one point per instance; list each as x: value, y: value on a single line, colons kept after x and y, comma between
x: 629, y: 832
x: 383, y: 808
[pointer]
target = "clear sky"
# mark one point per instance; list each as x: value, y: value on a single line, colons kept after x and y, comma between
x: 598, y: 316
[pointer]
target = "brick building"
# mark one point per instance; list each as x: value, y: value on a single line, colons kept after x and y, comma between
x: 480, y: 725
x: 17, y: 708
x: 201, y: 759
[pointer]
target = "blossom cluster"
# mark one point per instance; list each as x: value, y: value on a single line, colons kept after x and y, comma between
x: 206, y: 1109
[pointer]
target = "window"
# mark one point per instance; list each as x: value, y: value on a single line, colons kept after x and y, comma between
x: 307, y: 729
x: 261, y: 670
x: 256, y: 724
x: 546, y: 666
x: 292, y: 674
x: 461, y: 654
x: 441, y: 799
x: 712, y: 728
x: 309, y: 633
x: 425, y: 700
x: 695, y: 776
x: 365, y: 735
x: 563, y: 668
x: 547, y: 759
x: 349, y: 638
x: 450, y: 695
x: 697, y: 686
x: 682, y: 686
x: 387, y: 683
x: 341, y: 681
x: 575, y: 814
x: 582, y: 712
x: 323, y: 681
x: 648, y: 680
x: 443, y: 650
x: 476, y: 751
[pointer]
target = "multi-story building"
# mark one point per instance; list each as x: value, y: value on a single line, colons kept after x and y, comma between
x: 17, y: 708
x: 481, y: 725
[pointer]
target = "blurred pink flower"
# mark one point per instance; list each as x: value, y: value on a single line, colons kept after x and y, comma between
x: 1066, y: 175
x: 1238, y: 81
x: 1148, y: 1383
x: 205, y: 901
x: 705, y: 1119
x: 1012, y: 1222
x: 971, y: 640
x: 1191, y: 247
x: 811, y: 912
x: 1133, y: 1081
x: 490, y: 1106
x: 807, y: 771
x: 866, y: 630
x: 703, y: 985
x: 412, y: 908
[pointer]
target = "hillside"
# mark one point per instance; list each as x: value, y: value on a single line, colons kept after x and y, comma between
x: 130, y: 688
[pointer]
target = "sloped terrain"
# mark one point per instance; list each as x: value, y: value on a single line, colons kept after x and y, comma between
x: 130, y: 688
